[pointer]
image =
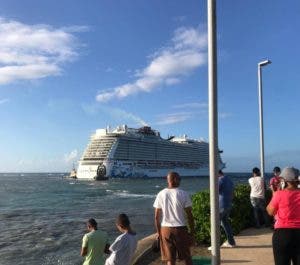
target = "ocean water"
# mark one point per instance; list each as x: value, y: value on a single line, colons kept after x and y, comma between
x: 43, y: 216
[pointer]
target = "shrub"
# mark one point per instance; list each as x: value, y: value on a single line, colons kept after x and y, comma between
x: 241, y: 214
x: 201, y: 212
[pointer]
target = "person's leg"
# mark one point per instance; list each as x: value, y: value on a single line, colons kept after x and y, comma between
x: 188, y: 261
x: 296, y: 247
x: 224, y: 217
x: 183, y: 243
x: 254, y: 202
x: 262, y: 207
x: 171, y: 262
x: 168, y: 250
x: 281, y: 247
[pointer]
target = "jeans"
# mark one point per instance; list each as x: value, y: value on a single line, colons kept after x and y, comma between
x: 259, y: 206
x: 224, y: 217
x: 286, y: 246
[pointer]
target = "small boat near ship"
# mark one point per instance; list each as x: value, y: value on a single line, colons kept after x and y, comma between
x: 126, y: 152
x: 73, y: 173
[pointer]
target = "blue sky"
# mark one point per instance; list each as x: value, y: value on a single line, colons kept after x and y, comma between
x: 69, y: 68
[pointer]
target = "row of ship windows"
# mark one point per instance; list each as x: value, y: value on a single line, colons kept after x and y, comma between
x: 161, y: 146
x: 166, y: 164
x: 131, y: 154
x: 158, y: 154
x: 98, y: 150
x: 186, y: 159
x: 146, y: 157
x: 99, y: 146
x: 139, y: 155
x: 94, y: 156
x: 147, y: 154
x: 125, y: 149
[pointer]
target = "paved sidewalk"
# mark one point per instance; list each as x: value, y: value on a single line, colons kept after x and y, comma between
x: 254, y: 246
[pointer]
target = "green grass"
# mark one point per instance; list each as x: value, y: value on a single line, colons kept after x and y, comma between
x: 198, y: 260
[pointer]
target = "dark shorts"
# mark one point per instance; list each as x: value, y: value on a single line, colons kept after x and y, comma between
x: 175, y: 240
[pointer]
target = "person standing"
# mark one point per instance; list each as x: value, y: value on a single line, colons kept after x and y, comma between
x: 285, y: 205
x: 257, y: 197
x: 94, y: 244
x: 123, y: 248
x: 226, y: 189
x: 275, y: 180
x: 171, y: 205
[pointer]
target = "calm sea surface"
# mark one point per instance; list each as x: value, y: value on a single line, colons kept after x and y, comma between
x: 43, y: 216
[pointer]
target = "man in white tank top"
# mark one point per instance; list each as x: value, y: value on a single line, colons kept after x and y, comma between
x: 171, y: 205
x: 257, y: 197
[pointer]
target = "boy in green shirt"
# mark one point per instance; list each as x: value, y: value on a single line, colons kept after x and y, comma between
x: 94, y: 244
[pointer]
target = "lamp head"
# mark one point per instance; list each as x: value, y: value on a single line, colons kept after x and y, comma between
x: 263, y: 63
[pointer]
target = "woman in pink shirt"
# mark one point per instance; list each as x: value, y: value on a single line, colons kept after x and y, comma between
x: 285, y: 206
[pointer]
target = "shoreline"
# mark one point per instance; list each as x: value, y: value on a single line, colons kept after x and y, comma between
x: 145, y: 256
x: 143, y: 249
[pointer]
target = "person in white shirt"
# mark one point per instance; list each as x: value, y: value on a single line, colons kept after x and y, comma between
x: 123, y: 248
x: 171, y: 205
x: 257, y: 197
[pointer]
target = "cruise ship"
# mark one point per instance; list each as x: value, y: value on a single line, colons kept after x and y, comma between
x: 132, y: 153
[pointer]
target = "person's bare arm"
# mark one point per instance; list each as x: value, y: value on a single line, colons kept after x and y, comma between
x: 157, y: 220
x: 271, y: 210
x: 83, y: 251
x: 190, y: 219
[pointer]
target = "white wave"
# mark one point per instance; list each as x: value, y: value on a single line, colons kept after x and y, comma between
x: 133, y: 195
x: 49, y: 239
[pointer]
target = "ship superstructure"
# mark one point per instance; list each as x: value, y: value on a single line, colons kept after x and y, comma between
x: 128, y: 152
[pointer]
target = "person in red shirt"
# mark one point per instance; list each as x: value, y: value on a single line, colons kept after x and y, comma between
x: 285, y: 206
x: 275, y: 180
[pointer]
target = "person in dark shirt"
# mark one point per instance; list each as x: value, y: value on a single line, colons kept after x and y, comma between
x: 226, y: 188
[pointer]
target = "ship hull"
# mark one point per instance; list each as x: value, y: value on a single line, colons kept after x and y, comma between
x: 123, y: 169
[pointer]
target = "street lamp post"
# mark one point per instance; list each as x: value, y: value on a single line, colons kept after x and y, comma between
x: 261, y: 123
x: 213, y: 131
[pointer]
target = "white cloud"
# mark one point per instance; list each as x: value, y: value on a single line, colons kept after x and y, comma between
x: 116, y: 113
x: 195, y: 111
x: 124, y: 115
x: 168, y: 65
x: 4, y: 100
x: 70, y: 157
x: 194, y: 105
x: 224, y: 115
x: 34, y: 51
x: 173, y: 118
x: 179, y: 18
x: 189, y: 37
x: 109, y: 69
x: 40, y: 164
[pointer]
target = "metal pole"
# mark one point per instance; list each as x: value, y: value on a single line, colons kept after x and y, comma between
x: 213, y: 131
x: 261, y: 123
x: 261, y: 118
